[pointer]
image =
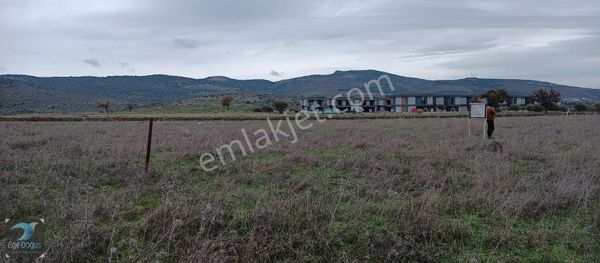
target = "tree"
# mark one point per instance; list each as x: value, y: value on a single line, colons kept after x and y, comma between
x: 226, y: 101
x: 495, y: 97
x: 280, y: 106
x: 581, y: 107
x: 546, y: 99
x: 104, y: 104
x: 130, y: 106
x: 597, y: 106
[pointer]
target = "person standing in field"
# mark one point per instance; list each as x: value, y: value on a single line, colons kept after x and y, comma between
x: 490, y: 115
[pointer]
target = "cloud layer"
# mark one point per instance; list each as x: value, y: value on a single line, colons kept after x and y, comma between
x: 436, y: 39
x: 92, y: 62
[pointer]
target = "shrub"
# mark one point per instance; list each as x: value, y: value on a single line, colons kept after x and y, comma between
x: 552, y: 107
x: 535, y: 108
x: 130, y: 106
x: 581, y: 107
x: 294, y: 108
x: 514, y: 108
x: 263, y: 109
x: 280, y: 106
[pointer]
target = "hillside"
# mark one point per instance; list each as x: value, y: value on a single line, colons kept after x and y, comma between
x: 28, y: 94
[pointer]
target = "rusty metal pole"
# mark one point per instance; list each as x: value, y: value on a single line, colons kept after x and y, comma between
x: 149, y: 145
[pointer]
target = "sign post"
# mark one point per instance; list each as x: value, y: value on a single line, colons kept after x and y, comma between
x: 469, y: 126
x: 477, y: 111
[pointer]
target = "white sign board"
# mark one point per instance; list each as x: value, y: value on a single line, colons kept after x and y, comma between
x: 477, y: 110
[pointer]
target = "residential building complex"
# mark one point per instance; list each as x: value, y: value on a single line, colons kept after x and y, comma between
x: 395, y: 103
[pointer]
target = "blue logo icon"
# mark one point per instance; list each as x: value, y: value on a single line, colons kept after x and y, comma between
x: 27, y: 230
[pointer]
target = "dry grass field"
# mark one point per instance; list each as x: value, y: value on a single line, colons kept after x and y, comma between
x: 348, y: 190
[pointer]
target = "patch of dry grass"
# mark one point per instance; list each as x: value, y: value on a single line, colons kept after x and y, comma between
x: 359, y: 190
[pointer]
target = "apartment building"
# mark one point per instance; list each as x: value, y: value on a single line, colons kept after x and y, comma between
x: 431, y: 103
x: 338, y: 104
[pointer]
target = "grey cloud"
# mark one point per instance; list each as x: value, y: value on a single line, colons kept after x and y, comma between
x: 92, y: 62
x: 186, y: 43
x: 224, y: 12
x: 275, y: 73
x: 460, y: 45
x: 126, y: 66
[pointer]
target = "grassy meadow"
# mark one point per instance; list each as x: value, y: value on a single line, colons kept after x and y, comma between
x: 407, y: 190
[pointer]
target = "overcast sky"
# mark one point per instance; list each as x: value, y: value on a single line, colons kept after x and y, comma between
x: 550, y: 40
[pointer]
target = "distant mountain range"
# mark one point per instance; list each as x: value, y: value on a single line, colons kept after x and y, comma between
x: 28, y: 94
